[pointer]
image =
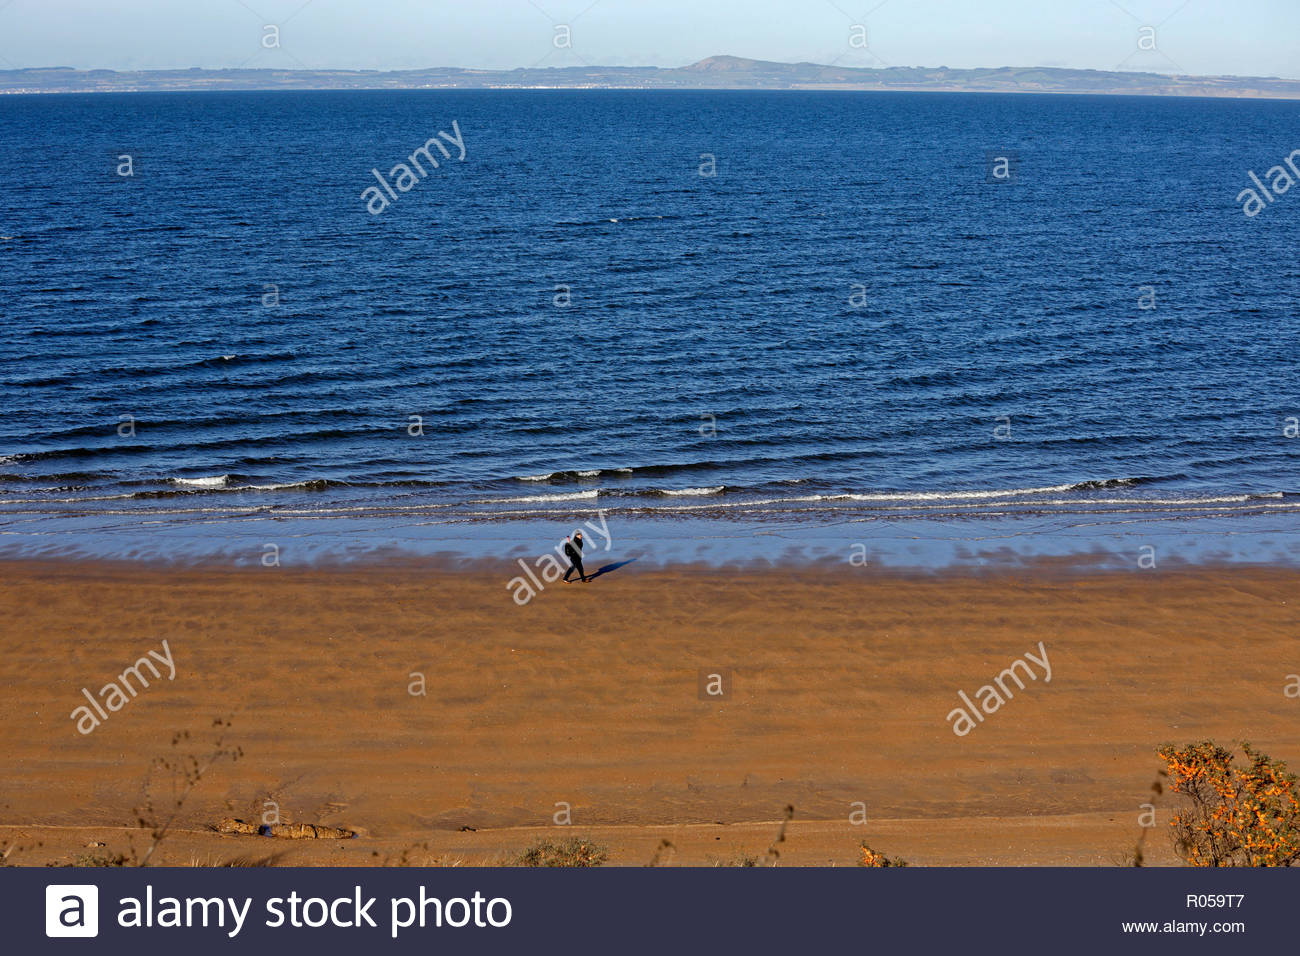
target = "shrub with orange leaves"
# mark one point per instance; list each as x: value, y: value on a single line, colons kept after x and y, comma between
x: 1235, y: 815
x: 871, y: 858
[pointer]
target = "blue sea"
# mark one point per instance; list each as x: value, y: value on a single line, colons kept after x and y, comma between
x: 743, y: 322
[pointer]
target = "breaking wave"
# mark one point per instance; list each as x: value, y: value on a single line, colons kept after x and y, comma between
x: 530, y: 499
x: 584, y: 475
x: 213, y: 481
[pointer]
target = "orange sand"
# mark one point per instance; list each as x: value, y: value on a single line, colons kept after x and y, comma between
x: 589, y: 697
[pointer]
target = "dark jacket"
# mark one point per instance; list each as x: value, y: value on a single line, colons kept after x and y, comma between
x: 573, y: 549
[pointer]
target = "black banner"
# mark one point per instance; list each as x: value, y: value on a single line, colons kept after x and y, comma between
x: 761, y: 910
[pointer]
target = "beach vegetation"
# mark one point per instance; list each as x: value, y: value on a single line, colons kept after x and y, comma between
x: 102, y: 859
x: 664, y: 851
x: 574, y: 852
x: 870, y: 857
x: 1233, y: 814
x: 773, y: 853
x: 235, y: 862
x: 184, y: 773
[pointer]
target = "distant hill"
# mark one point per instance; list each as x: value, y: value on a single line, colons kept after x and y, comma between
x: 714, y: 73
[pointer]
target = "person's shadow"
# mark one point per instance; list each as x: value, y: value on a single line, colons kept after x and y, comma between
x: 610, y: 567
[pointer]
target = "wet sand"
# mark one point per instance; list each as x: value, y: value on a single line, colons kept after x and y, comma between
x: 586, y: 704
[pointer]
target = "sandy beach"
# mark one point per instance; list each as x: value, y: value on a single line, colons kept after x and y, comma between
x: 444, y: 723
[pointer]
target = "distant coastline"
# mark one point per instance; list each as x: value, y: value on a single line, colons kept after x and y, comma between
x: 714, y: 73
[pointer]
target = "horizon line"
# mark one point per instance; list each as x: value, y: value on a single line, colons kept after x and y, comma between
x: 616, y: 66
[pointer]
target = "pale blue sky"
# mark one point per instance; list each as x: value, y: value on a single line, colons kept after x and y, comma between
x: 1242, y: 37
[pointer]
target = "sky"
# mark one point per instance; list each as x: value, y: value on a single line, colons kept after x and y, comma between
x: 1235, y: 37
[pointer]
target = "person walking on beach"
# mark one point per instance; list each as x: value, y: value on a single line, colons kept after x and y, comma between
x: 573, y: 550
